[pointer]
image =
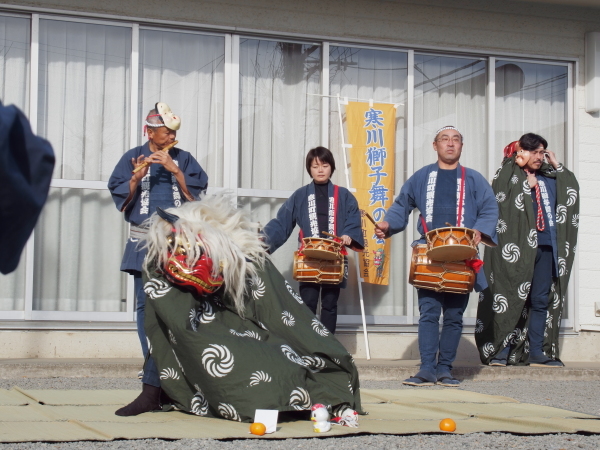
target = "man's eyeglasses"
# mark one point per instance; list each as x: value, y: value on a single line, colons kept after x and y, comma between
x: 446, y: 139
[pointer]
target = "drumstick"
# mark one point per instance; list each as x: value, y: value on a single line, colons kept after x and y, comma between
x: 331, y: 235
x: 364, y: 213
x: 144, y: 164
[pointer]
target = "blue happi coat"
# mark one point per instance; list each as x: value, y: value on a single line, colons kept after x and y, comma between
x: 480, y: 208
x: 295, y: 212
x: 157, y: 189
x: 549, y: 185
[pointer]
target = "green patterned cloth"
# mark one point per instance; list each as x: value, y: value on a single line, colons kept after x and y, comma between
x: 503, y: 310
x: 214, y: 363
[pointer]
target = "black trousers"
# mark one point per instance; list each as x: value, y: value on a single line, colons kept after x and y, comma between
x: 329, y: 297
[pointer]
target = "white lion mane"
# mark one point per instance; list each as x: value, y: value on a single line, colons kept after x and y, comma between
x: 227, y: 235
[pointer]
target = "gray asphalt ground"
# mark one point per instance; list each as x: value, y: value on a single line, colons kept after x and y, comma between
x: 581, y: 396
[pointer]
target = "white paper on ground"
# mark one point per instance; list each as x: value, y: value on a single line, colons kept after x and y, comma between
x: 268, y: 417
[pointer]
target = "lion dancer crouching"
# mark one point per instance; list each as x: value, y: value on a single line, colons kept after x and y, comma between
x: 228, y: 333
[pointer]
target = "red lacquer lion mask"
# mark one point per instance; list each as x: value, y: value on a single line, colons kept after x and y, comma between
x: 197, y: 278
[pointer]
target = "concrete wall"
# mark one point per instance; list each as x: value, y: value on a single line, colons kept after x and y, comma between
x: 69, y: 344
x: 516, y: 28
x: 125, y: 344
x: 575, y: 347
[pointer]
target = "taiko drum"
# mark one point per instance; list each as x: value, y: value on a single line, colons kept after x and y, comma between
x: 451, y: 244
x: 320, y: 248
x: 322, y: 271
x: 439, y: 276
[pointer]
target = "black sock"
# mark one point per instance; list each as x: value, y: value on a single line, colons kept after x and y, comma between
x: 148, y: 400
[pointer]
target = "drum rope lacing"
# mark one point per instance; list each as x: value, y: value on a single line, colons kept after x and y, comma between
x: 451, y: 276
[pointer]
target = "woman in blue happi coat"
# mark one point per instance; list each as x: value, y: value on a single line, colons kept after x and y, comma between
x: 317, y: 207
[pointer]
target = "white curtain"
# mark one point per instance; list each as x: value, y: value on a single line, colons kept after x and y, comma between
x: 451, y: 91
x: 14, y: 89
x: 14, y: 61
x: 83, y: 107
x: 83, y: 110
x: 380, y: 75
x: 185, y: 70
x: 279, y: 123
x: 279, y: 119
x: 78, y: 248
x: 531, y: 98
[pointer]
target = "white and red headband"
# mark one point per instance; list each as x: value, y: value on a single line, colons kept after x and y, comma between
x: 449, y: 127
x: 167, y: 118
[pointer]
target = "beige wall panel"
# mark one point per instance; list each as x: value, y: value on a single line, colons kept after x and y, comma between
x: 505, y: 26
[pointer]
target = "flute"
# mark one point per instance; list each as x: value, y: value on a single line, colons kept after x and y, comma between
x: 145, y: 163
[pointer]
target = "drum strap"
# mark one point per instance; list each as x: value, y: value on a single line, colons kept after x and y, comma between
x: 335, y: 209
x: 424, y: 224
x: 301, y: 241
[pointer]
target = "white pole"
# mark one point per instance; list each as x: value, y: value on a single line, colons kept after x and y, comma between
x: 356, y: 259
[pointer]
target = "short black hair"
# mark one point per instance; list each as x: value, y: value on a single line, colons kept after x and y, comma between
x: 322, y: 154
x: 531, y: 141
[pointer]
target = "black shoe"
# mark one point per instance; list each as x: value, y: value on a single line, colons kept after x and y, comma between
x: 422, y: 378
x: 544, y: 361
x: 148, y: 400
x: 445, y: 379
x: 498, y: 362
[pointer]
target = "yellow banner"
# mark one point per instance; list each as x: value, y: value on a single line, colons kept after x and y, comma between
x: 372, y: 135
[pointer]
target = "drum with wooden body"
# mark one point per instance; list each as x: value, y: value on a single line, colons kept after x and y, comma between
x: 451, y: 244
x: 439, y: 276
x: 322, y: 271
x: 320, y: 248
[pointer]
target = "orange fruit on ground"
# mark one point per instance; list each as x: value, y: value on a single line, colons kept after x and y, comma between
x: 448, y: 425
x: 258, y: 428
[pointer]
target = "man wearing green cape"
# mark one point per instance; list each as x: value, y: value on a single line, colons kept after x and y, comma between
x: 519, y: 314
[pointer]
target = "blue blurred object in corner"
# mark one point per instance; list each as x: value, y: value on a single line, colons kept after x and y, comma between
x: 26, y: 164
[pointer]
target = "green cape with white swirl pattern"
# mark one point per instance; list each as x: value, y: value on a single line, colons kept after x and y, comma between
x: 503, y: 310
x: 214, y: 363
